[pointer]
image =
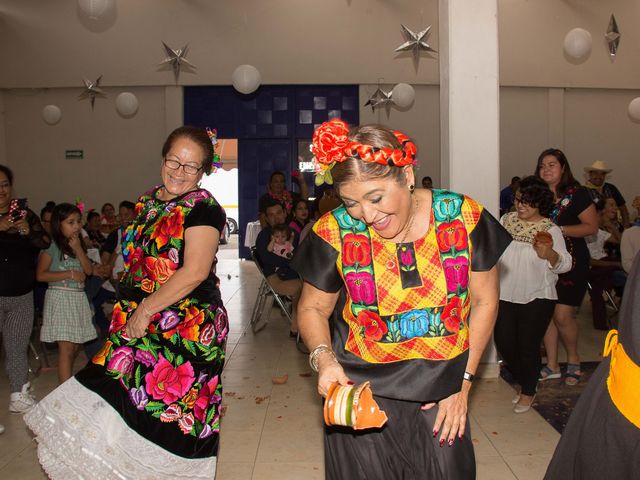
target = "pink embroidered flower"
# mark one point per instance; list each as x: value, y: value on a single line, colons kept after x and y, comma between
x: 173, y: 256
x: 171, y: 414
x: 206, y: 397
x: 121, y: 360
x: 186, y: 423
x: 206, y: 335
x: 361, y: 287
x: 456, y: 272
x: 406, y: 256
x: 145, y: 357
x: 221, y: 323
x: 167, y: 383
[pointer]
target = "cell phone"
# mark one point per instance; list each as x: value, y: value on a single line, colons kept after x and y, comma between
x: 18, y: 209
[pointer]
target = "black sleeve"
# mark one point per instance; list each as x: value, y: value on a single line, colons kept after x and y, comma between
x: 37, y: 236
x: 488, y: 240
x: 617, y: 196
x: 262, y: 202
x: 579, y: 203
x: 208, y: 213
x: 111, y: 242
x: 315, y: 262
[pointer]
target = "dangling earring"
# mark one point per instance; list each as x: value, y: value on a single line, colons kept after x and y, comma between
x: 412, y: 188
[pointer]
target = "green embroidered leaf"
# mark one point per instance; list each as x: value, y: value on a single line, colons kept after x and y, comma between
x: 157, y: 414
x: 138, y: 376
x: 210, y: 414
x: 188, y: 344
x: 179, y: 360
x: 168, y: 354
x: 174, y: 338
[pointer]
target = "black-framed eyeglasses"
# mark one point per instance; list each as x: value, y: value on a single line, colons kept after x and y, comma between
x: 175, y: 165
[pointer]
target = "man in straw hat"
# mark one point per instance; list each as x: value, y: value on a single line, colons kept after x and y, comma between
x: 600, y: 190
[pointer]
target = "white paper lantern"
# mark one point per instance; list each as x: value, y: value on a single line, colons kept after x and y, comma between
x: 403, y: 95
x: 246, y: 79
x: 634, y: 109
x: 94, y: 8
x: 127, y: 104
x: 51, y: 114
x: 577, y: 43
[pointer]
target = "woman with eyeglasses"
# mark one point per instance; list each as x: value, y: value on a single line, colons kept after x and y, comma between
x: 148, y: 404
x: 529, y: 270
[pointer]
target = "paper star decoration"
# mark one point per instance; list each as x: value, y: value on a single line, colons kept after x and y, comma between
x: 415, y: 42
x: 379, y: 99
x: 91, y: 90
x: 613, y: 37
x: 177, y: 59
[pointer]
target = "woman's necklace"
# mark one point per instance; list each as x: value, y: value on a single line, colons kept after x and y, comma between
x: 410, y: 223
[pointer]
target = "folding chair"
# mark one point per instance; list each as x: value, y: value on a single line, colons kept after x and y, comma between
x: 612, y: 303
x: 264, y: 303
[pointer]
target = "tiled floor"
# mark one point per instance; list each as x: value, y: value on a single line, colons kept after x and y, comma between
x: 275, y: 431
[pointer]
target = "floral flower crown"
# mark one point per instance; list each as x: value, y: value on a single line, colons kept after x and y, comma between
x: 331, y: 145
x: 217, y: 162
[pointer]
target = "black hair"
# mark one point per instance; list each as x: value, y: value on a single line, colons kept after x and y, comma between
x: 567, y: 180
x: 105, y: 206
x: 127, y: 204
x: 271, y: 202
x: 91, y: 214
x: 60, y: 213
x: 515, y: 179
x: 536, y: 193
x: 198, y: 136
x: 273, y: 174
x: 427, y: 177
x: 7, y: 173
x: 284, y: 228
x: 48, y: 208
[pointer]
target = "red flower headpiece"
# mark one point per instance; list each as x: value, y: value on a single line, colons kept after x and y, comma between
x: 331, y: 145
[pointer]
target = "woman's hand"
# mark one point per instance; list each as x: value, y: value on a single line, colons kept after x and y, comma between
x: 330, y: 371
x: 138, y: 323
x: 22, y: 226
x: 543, y: 250
x: 452, y: 417
x: 5, y: 223
x: 78, y: 276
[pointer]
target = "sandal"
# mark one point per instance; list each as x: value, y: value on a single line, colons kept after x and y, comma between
x: 547, y: 374
x: 572, y: 377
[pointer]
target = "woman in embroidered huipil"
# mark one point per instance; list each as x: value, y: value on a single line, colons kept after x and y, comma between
x: 575, y: 213
x: 148, y: 404
x: 529, y: 271
x: 397, y: 263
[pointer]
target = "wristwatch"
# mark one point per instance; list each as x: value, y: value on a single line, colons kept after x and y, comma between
x: 468, y: 377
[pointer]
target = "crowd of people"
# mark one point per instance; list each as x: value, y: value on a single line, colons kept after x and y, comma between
x: 393, y: 286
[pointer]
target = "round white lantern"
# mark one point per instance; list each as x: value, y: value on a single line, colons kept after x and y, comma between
x: 51, y: 114
x: 403, y: 95
x: 577, y: 43
x: 246, y: 79
x: 127, y: 104
x: 94, y: 9
x: 634, y: 109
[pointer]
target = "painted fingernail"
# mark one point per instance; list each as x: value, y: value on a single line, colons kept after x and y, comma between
x: 350, y: 382
x: 435, y: 432
x: 442, y: 442
x: 451, y: 442
x: 461, y: 436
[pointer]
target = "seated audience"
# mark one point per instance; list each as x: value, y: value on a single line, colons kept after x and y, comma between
x: 273, y: 265
x: 300, y: 216
x: 277, y: 191
x: 108, y: 221
x: 630, y: 245
x: 280, y: 244
x: 94, y: 238
x: 601, y: 190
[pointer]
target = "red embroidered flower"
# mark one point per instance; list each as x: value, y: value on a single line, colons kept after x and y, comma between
x: 361, y: 287
x: 159, y: 269
x: 147, y: 285
x: 356, y: 250
x: 206, y: 397
x: 118, y: 319
x: 456, y: 272
x: 207, y: 333
x: 329, y: 141
x: 136, y: 263
x: 374, y: 327
x: 186, y: 423
x: 450, y: 235
x: 452, y: 315
x: 170, y: 226
x: 171, y: 414
x: 167, y: 383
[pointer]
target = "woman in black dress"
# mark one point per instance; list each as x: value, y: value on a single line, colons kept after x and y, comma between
x: 575, y: 214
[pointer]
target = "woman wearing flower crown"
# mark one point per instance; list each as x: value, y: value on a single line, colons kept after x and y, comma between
x: 148, y: 404
x: 397, y: 263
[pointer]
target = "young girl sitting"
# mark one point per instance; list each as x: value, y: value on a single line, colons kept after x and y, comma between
x: 65, y: 265
x: 281, y: 241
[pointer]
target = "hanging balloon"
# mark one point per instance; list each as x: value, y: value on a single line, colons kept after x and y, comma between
x: 246, y: 79
x: 127, y: 104
x: 403, y: 95
x: 94, y: 9
x: 51, y: 114
x: 577, y: 43
x: 634, y: 109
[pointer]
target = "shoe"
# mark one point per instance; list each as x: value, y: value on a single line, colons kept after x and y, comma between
x: 516, y: 398
x: 547, y: 374
x: 23, y: 401
x: 517, y: 408
x: 572, y: 377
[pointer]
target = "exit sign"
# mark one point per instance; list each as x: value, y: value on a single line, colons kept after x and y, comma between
x: 74, y: 154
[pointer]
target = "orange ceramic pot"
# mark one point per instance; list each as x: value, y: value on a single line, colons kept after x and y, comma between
x: 353, y: 406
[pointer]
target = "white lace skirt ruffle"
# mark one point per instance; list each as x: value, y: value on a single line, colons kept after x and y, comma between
x: 80, y: 436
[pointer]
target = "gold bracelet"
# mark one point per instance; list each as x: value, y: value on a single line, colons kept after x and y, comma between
x: 315, y: 353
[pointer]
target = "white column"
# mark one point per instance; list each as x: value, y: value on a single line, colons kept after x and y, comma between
x: 469, y: 109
